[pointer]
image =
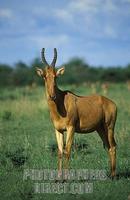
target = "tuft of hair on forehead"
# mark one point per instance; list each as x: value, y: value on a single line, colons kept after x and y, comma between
x: 50, y: 70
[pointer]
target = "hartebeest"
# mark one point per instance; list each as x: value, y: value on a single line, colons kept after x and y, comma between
x: 82, y: 114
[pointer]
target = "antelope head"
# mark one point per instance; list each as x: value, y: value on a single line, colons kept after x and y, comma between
x: 49, y: 74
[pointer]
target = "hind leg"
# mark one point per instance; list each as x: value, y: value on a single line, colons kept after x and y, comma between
x: 103, y: 135
x: 110, y: 119
x: 107, y: 136
x: 112, y: 151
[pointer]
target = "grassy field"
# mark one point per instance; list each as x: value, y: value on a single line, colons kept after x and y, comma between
x: 27, y: 141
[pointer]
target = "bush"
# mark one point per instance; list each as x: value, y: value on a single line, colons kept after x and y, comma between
x: 7, y: 115
x: 17, y: 157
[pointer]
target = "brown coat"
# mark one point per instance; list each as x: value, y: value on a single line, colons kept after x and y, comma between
x: 81, y: 114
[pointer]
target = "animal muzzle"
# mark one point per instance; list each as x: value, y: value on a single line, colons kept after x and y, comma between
x: 52, y: 93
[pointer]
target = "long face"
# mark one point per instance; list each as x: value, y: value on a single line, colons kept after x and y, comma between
x: 49, y: 75
x: 50, y: 82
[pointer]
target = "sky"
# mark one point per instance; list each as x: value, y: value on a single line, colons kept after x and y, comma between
x: 96, y: 30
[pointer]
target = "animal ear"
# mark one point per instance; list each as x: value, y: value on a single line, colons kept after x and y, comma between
x: 60, y: 71
x: 40, y: 72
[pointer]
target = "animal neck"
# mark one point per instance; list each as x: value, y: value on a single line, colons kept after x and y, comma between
x: 56, y: 106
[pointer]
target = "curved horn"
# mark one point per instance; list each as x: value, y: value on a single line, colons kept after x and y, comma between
x: 43, y: 57
x: 55, y: 58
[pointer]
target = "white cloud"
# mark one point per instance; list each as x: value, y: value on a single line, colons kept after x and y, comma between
x: 90, y: 17
x: 85, y: 5
x: 49, y: 41
x: 92, y: 6
x: 6, y: 13
x: 85, y: 8
x: 64, y: 15
x: 74, y: 8
x: 125, y: 1
x: 110, y: 32
x: 110, y: 6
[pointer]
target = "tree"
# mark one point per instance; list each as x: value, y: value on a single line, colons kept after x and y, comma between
x: 5, y: 75
x: 20, y: 74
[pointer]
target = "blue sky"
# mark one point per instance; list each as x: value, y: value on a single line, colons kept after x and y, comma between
x: 96, y: 30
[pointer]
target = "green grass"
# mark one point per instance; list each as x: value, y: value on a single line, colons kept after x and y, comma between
x: 27, y: 141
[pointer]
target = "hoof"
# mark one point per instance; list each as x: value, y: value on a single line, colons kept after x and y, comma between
x: 113, y: 177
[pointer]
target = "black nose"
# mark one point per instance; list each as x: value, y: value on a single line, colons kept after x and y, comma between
x: 53, y: 98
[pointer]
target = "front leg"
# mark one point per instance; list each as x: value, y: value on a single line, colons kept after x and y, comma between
x: 69, y: 141
x: 60, y: 142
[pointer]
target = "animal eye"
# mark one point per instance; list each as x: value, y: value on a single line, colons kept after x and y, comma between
x: 44, y: 77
